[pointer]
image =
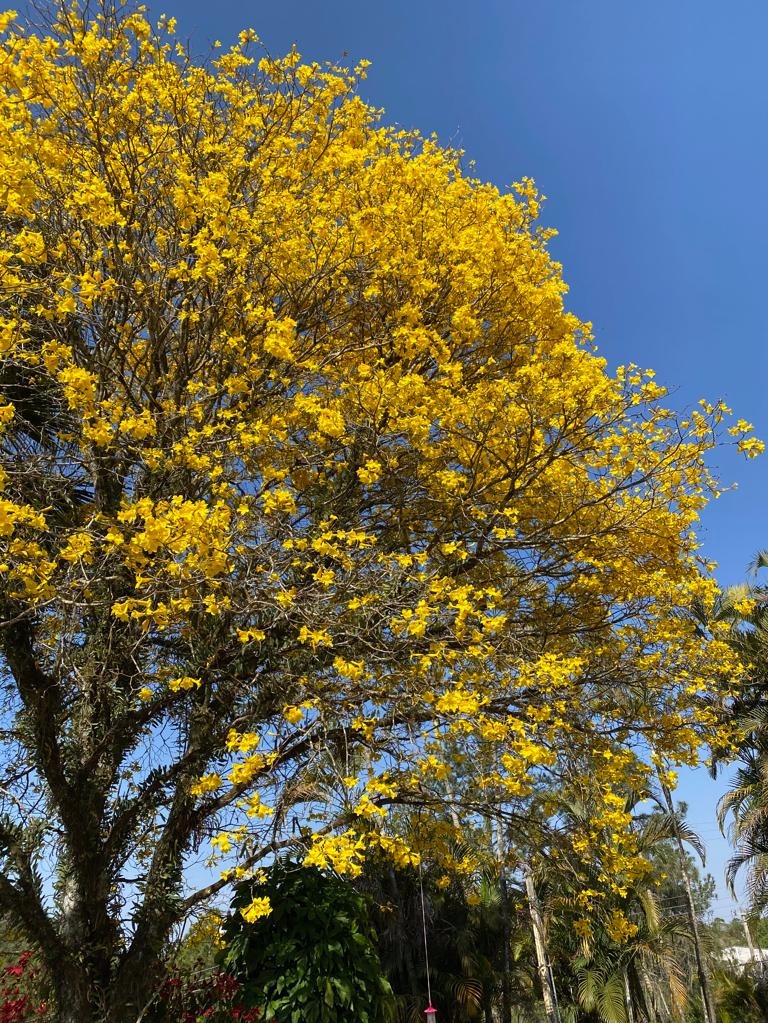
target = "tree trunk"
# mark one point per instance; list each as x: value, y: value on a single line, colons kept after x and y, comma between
x: 629, y: 1007
x: 542, y: 956
x: 750, y: 943
x: 121, y: 998
x: 94, y: 980
x: 74, y: 998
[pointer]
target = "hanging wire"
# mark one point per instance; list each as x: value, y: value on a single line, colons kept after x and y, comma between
x: 424, y: 931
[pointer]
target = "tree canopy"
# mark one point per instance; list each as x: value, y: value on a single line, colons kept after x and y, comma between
x: 306, y: 472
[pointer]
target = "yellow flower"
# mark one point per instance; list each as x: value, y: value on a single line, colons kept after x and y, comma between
x: 324, y: 576
x: 342, y: 853
x: 256, y: 909
x: 79, y: 547
x: 279, y: 501
x: 366, y: 808
x: 251, y: 635
x: 293, y: 715
x: 246, y: 771
x: 370, y: 471
x: 353, y: 670
x: 242, y: 742
x: 331, y: 422
x: 583, y: 928
x: 208, y: 783
x: 222, y: 842
x: 619, y: 928
x: 176, y: 685
x: 315, y: 637
x: 280, y: 339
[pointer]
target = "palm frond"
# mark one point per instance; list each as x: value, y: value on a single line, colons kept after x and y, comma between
x: 760, y: 560
x: 612, y: 1003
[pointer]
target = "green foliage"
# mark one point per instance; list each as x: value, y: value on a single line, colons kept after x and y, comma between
x: 740, y: 998
x: 312, y: 960
x: 465, y: 937
x: 724, y: 934
x: 745, y: 807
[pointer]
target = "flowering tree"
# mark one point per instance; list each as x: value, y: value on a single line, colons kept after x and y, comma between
x: 305, y: 472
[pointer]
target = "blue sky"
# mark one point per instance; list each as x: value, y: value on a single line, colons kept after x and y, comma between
x: 644, y: 124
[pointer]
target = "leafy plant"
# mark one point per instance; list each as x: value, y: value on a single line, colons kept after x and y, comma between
x: 312, y: 959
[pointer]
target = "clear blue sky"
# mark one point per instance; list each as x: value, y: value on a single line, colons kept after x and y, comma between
x: 645, y: 124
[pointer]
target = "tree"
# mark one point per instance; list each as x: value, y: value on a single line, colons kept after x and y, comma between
x: 304, y: 465
x: 743, y: 608
x: 619, y: 954
x: 462, y: 915
x: 726, y: 933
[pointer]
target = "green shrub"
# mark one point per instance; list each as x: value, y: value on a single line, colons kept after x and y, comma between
x: 312, y: 959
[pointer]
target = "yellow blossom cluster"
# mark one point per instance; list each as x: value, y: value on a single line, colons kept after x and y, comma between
x: 326, y: 472
x: 342, y: 853
x: 256, y: 909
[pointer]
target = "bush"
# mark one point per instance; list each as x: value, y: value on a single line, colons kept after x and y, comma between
x: 20, y: 994
x: 208, y: 997
x: 312, y: 959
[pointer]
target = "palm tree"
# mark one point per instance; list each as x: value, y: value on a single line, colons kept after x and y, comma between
x: 745, y: 609
x: 739, y: 1000
x: 746, y: 803
x: 640, y: 979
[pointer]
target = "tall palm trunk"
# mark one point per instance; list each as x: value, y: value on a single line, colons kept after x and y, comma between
x: 542, y: 956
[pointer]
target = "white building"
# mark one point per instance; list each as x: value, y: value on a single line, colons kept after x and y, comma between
x: 740, y: 956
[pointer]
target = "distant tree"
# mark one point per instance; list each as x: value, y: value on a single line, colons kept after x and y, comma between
x: 465, y: 935
x: 199, y: 947
x: 670, y: 892
x: 619, y: 955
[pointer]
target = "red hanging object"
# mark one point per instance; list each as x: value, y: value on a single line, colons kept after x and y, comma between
x: 431, y: 1014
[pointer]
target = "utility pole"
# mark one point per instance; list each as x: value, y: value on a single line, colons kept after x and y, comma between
x: 708, y: 1001
x: 542, y: 955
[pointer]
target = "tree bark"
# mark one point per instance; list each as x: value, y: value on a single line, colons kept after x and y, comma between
x: 542, y: 957
x: 117, y: 995
x: 628, y: 1000
x: 750, y: 943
